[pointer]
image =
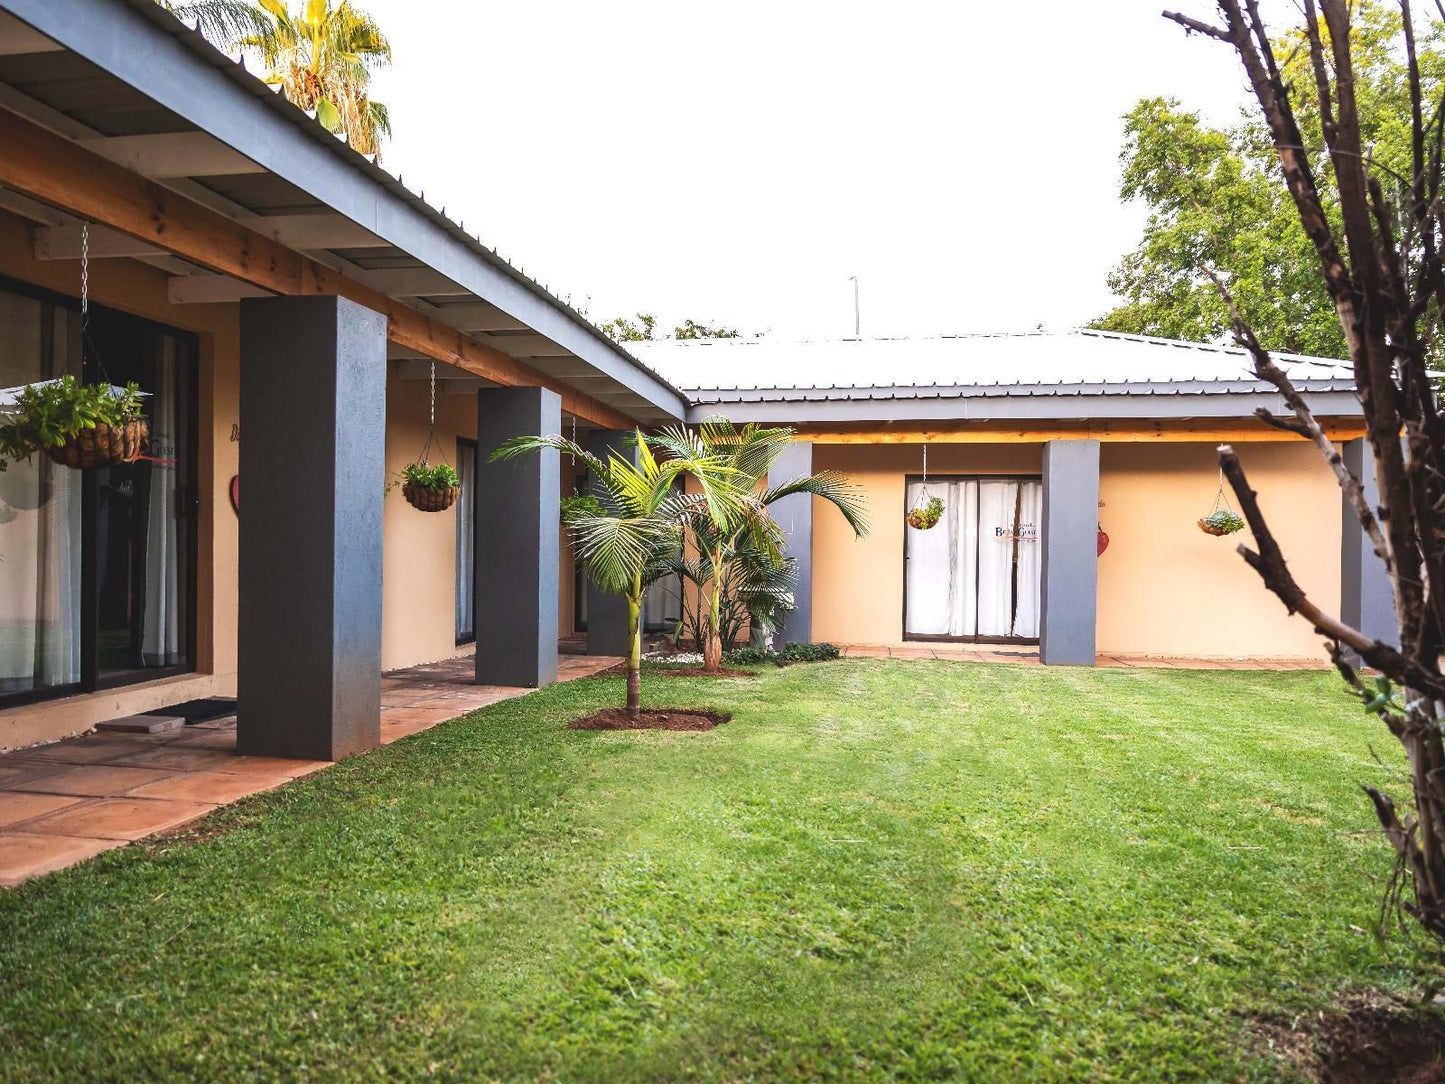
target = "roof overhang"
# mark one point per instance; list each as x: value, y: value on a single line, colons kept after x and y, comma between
x: 228, y: 124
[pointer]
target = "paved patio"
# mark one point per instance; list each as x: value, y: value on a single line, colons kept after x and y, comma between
x: 1029, y: 655
x: 64, y: 802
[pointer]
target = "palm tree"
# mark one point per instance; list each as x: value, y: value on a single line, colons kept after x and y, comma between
x: 321, y: 55
x: 726, y: 531
x: 634, y: 539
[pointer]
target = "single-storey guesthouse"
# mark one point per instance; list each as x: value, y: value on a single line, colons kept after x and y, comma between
x: 289, y: 307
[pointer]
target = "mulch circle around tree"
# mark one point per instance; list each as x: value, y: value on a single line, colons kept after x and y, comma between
x: 620, y: 670
x: 1367, y: 1044
x: 652, y: 719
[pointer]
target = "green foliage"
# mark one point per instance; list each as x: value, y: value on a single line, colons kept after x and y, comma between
x: 48, y: 414
x: 756, y: 656
x: 575, y: 507
x: 872, y: 873
x: 926, y: 516
x: 428, y: 476
x: 1216, y: 200
x: 621, y: 329
x: 1222, y: 521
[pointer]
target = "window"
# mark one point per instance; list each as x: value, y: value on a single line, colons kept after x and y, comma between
x: 466, y: 541
x: 975, y: 574
x: 97, y: 568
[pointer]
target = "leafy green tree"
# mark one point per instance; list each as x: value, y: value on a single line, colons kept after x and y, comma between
x: 621, y: 329
x: 321, y: 54
x: 1215, y: 202
x: 631, y: 535
x: 727, y: 530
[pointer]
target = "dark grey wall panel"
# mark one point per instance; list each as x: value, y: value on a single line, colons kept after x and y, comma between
x: 1367, y: 598
x: 517, y: 540
x: 1070, y: 559
x: 606, y: 612
x: 313, y: 425
x: 795, y: 516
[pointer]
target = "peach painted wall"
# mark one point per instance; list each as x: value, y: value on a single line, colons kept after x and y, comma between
x: 1165, y: 587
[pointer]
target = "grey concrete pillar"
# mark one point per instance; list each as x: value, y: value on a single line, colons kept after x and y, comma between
x: 517, y: 546
x: 1367, y: 598
x: 607, y: 612
x: 313, y: 415
x: 795, y: 516
x: 1069, y: 535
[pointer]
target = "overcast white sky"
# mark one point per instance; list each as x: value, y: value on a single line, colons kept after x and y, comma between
x: 738, y: 162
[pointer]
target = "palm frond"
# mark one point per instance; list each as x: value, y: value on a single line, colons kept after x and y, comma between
x: 834, y: 488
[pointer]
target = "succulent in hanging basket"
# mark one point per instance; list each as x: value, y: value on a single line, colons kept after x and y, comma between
x: 429, y: 488
x: 927, y: 515
x: 1221, y: 522
x: 77, y: 425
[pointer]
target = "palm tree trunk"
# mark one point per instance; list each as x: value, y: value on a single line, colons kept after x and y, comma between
x: 712, y: 646
x: 634, y: 652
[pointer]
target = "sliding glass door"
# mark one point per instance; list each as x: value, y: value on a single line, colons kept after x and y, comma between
x: 466, y: 541
x: 97, y: 568
x: 975, y: 574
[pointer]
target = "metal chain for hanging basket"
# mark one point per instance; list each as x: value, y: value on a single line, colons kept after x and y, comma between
x: 1222, y: 518
x: 430, y: 498
x: 926, y: 510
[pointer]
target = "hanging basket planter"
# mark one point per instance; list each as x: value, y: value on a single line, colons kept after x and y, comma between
x: 1222, y: 519
x: 924, y: 515
x: 429, y: 488
x: 102, y: 445
x: 428, y: 498
x: 1221, y: 522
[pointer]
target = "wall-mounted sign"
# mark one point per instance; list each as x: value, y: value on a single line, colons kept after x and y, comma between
x: 236, y: 494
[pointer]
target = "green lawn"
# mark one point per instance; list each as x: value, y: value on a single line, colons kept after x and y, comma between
x: 877, y: 870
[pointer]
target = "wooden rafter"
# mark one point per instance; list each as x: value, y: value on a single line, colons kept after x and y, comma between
x: 49, y: 168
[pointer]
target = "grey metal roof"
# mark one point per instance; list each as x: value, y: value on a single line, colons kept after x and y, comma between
x: 1039, y: 375
x: 124, y: 77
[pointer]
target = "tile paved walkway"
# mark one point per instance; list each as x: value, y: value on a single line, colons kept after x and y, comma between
x: 65, y: 802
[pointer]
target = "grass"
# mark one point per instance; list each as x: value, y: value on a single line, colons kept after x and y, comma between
x: 877, y: 870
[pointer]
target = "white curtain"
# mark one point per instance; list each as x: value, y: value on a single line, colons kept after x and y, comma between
x: 466, y: 540
x: 161, y: 621
x: 39, y: 515
x: 976, y: 573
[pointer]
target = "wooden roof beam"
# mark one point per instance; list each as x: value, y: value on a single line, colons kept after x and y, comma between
x: 47, y: 167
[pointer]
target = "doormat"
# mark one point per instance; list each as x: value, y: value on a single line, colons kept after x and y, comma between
x: 199, y: 711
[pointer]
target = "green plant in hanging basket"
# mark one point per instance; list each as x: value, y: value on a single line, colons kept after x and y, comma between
x: 1221, y: 522
x: 77, y: 425
x: 587, y: 505
x: 927, y: 515
x: 429, y: 488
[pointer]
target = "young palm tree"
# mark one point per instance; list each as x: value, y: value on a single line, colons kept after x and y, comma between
x: 321, y: 55
x: 634, y: 540
x: 727, y: 529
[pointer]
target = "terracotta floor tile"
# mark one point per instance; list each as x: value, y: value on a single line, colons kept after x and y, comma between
x: 188, y: 757
x: 13, y: 772
x: 23, y: 854
x: 92, y: 780
x: 213, y: 788
x: 98, y: 749
x: 292, y: 769
x: 118, y: 818
x: 224, y: 740
x: 16, y: 806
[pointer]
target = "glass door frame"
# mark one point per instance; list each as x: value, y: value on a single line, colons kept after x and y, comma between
x: 90, y: 556
x: 932, y: 638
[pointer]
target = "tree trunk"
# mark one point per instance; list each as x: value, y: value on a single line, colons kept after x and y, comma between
x: 712, y: 646
x: 634, y: 655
